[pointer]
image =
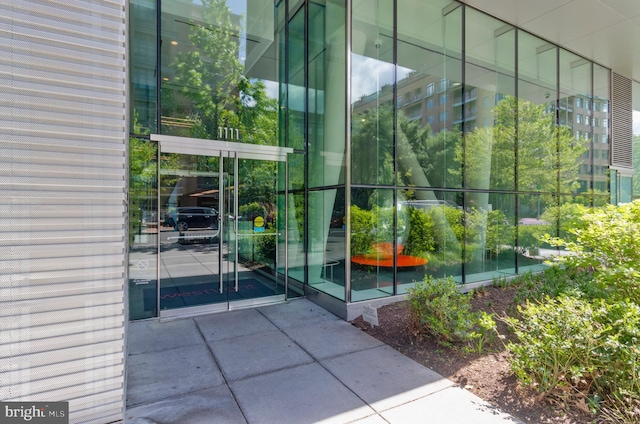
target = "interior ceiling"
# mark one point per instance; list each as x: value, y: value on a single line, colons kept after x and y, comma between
x: 605, y: 31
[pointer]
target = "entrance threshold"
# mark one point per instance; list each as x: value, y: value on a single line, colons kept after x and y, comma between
x: 171, y: 314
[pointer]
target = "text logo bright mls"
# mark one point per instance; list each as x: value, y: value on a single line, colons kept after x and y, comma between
x: 34, y: 412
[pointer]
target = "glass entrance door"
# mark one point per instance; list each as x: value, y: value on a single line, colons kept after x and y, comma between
x: 219, y: 217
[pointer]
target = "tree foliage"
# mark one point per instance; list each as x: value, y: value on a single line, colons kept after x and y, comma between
x: 547, y: 153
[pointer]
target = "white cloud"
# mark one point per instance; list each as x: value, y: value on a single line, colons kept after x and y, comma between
x: 368, y: 75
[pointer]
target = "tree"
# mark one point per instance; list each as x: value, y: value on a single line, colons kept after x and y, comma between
x: 546, y: 152
x: 210, y: 86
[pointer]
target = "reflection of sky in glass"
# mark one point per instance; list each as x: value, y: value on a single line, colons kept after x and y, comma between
x: 368, y: 75
x: 239, y: 8
x: 636, y: 122
x: 272, y: 88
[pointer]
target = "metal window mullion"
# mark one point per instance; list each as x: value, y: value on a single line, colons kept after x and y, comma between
x: 515, y: 147
x: 286, y: 229
x: 235, y: 219
x: 221, y: 211
x: 347, y: 173
x: 463, y: 72
x: 158, y: 68
x: 158, y: 191
x: 395, y: 145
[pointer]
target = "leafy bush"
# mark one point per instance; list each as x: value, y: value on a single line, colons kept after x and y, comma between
x: 577, y: 350
x: 530, y: 235
x: 251, y: 210
x: 554, y: 282
x: 267, y: 244
x: 439, y: 309
x: 609, y: 245
x: 420, y: 239
x: 362, y: 234
x: 500, y: 233
x: 569, y: 216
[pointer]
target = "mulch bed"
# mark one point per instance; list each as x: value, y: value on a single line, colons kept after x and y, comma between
x: 487, y: 375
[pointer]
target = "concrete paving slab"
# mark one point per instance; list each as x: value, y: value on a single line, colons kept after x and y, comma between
x: 214, y: 405
x: 332, y: 338
x: 156, y: 336
x: 450, y: 406
x: 233, y: 324
x: 384, y: 378
x: 158, y: 375
x: 298, y: 395
x: 296, y: 312
x: 254, y: 354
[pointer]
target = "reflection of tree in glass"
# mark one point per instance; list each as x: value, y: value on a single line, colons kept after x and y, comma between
x: 372, y: 143
x: 210, y: 76
x: 142, y: 181
x: 212, y: 90
x: 544, y: 149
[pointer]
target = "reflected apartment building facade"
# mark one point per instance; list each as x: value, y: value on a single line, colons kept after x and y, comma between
x: 172, y: 158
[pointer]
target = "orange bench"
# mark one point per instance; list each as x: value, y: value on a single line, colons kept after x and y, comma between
x: 384, y: 257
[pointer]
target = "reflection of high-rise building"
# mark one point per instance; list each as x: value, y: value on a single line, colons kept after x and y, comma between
x: 324, y: 140
x: 441, y: 104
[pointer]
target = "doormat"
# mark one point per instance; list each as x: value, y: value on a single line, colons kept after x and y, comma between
x: 201, y: 294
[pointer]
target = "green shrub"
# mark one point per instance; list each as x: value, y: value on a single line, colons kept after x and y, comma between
x: 569, y: 216
x: 419, y: 240
x: 267, y: 244
x: 362, y: 234
x: 500, y: 234
x: 555, y: 281
x: 530, y: 235
x: 608, y: 244
x: 438, y: 309
x: 251, y: 210
x: 578, y: 350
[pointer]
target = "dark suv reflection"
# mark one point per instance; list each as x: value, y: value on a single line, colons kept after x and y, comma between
x: 191, y: 218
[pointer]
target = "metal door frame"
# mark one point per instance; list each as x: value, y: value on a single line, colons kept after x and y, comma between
x: 237, y: 151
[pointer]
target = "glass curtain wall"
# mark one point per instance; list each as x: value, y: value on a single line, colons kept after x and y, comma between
x: 143, y: 228
x: 429, y: 102
x: 460, y: 162
x: 489, y: 116
x: 575, y: 147
x: 372, y: 146
x: 143, y: 59
x: 326, y: 133
x: 220, y: 68
x: 143, y: 160
x: 536, y: 149
x: 600, y: 146
x: 406, y: 204
x: 219, y: 73
x: 293, y: 106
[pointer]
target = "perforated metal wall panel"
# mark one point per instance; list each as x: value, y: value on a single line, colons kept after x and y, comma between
x: 63, y: 208
x: 621, y: 121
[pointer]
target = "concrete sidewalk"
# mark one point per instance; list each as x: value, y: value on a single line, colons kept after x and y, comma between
x: 287, y: 363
